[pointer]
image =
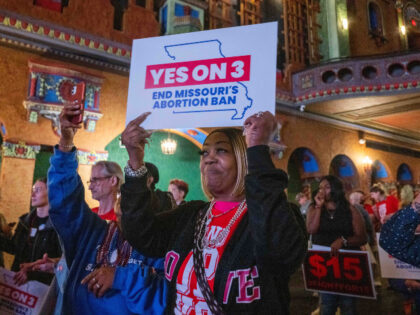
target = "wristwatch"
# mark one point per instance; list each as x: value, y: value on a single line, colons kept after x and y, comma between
x: 345, y: 241
x: 135, y: 173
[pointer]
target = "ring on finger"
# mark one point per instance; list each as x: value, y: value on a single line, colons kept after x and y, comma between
x: 97, y: 285
x: 260, y: 114
x: 94, y: 279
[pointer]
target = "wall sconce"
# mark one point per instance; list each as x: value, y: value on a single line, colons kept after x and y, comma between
x: 403, y: 30
x: 367, y: 164
x: 345, y: 23
x: 362, y: 139
x: 168, y: 146
x: 399, y: 4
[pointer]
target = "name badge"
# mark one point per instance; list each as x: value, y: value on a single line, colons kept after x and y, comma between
x: 33, y: 232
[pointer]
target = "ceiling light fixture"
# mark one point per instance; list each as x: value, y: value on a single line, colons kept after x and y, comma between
x: 168, y: 146
x: 362, y: 139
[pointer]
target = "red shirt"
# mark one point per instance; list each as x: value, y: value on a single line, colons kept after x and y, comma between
x: 394, y: 203
x: 384, y: 208
x: 109, y: 216
x: 189, y: 299
x: 368, y: 208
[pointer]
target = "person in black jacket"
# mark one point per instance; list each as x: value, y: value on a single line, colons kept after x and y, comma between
x: 165, y: 197
x: 235, y: 254
x: 179, y: 190
x: 34, y: 237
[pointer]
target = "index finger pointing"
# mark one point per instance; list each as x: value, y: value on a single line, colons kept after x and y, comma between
x: 138, y: 120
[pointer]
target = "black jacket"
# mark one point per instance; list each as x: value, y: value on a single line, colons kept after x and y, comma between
x: 45, y: 241
x: 270, y: 237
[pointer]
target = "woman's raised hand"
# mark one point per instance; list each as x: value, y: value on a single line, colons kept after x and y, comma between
x: 319, y: 199
x: 67, y: 127
x: 259, y: 128
x: 135, y: 137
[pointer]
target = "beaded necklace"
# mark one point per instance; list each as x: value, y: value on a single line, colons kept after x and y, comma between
x: 121, y: 253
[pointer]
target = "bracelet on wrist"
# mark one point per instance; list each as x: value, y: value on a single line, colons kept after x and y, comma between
x: 345, y: 241
x: 69, y: 146
x: 135, y: 173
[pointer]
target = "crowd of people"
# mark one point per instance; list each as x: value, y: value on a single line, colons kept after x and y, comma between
x: 352, y: 222
x: 147, y: 251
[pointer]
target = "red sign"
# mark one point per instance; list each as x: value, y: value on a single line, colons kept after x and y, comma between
x: 209, y: 71
x: 348, y: 274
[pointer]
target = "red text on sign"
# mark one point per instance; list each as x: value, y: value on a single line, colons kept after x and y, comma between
x: 18, y: 295
x: 209, y: 71
x: 350, y: 268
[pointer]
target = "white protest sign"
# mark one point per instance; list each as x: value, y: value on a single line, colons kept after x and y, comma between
x: 392, y: 267
x: 204, y: 79
x: 26, y: 299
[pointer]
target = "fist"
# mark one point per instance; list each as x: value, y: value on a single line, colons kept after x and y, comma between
x: 259, y: 128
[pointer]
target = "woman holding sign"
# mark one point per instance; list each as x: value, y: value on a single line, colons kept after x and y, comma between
x: 235, y: 254
x: 333, y: 222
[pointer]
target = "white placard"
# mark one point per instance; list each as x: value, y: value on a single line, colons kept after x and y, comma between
x: 204, y: 79
x: 27, y: 299
x: 392, y: 267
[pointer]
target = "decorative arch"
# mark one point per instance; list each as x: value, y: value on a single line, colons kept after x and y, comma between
x: 376, y: 23
x: 380, y: 172
x: 195, y: 135
x: 307, y: 163
x: 375, y: 19
x: 343, y: 167
x: 404, y: 174
x: 303, y: 170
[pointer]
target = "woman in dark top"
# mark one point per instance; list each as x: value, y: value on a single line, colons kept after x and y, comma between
x: 235, y: 254
x: 333, y: 222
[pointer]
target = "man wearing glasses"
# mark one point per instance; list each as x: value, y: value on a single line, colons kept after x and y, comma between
x: 105, y: 182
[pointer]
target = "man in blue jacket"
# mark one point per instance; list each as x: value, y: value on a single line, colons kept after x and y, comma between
x: 122, y: 281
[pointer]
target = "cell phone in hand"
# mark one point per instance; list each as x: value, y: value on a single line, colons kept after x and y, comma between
x: 79, y: 94
x: 75, y: 94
